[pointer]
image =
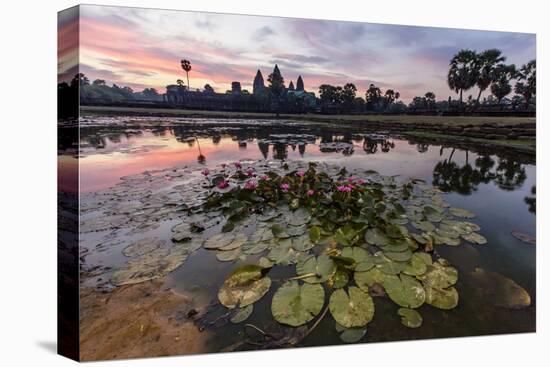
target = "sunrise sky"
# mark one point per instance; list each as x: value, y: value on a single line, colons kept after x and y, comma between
x: 142, y: 48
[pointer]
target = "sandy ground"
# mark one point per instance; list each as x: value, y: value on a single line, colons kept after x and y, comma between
x: 135, y: 321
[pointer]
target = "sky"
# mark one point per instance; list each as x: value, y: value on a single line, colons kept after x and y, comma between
x: 142, y: 48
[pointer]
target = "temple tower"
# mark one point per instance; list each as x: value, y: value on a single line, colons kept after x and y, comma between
x: 300, y: 84
x: 258, y: 86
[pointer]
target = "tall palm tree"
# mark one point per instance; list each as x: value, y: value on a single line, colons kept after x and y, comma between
x: 501, y: 76
x: 430, y: 99
x: 462, y: 72
x: 487, y: 61
x: 186, y: 66
x: 527, y: 81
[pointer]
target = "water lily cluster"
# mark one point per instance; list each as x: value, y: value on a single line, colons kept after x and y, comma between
x: 349, y: 237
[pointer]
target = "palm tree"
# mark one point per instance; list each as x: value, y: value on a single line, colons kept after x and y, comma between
x: 186, y: 66
x: 501, y: 76
x: 463, y: 71
x: 527, y: 81
x: 430, y: 99
x: 487, y: 61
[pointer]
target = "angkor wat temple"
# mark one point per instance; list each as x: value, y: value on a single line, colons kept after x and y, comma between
x: 293, y: 100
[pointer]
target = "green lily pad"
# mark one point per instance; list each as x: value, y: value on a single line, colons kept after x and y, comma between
x: 475, y: 238
x: 462, y: 213
x: 264, y: 262
x: 366, y: 279
x: 339, y: 279
x: 315, y: 234
x: 375, y: 236
x: 387, y: 265
x: 321, y: 268
x: 362, y: 258
x: 279, y: 231
x: 405, y: 290
x: 298, y: 217
x: 296, y: 230
x: 445, y: 299
x: 302, y: 243
x: 242, y: 314
x: 152, y: 265
x: 283, y: 253
x: 229, y: 255
x: 410, y: 318
x: 352, y: 309
x: 417, y: 265
x: 236, y: 243
x: 294, y: 304
x: 218, y: 241
x: 350, y: 335
x: 423, y: 226
x: 142, y: 247
x: 244, y: 286
x: 399, y: 256
x: 253, y: 248
x: 439, y: 275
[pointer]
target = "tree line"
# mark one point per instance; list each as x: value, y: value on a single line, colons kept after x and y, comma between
x: 488, y: 70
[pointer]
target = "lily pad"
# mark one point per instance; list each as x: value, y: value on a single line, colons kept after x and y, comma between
x: 362, y: 258
x: 350, y: 335
x: 475, y: 238
x: 315, y: 234
x: 253, y: 248
x: 339, y: 279
x: 445, y: 299
x: 218, y: 241
x: 294, y: 304
x: 320, y: 268
x: 354, y: 308
x: 405, y: 290
x: 236, y: 243
x: 298, y: 217
x: 302, y: 243
x: 152, y: 265
x: 410, y: 318
x: 229, y: 255
x: 375, y: 236
x: 439, y: 275
x: 242, y: 314
x: 423, y: 226
x: 142, y: 247
x: 387, y: 265
x: 366, y: 279
x: 283, y: 253
x: 244, y: 286
x: 417, y: 265
x: 462, y: 213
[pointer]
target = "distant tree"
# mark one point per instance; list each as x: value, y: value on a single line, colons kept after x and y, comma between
x: 276, y: 86
x: 328, y: 94
x: 430, y: 100
x: 390, y: 96
x: 98, y: 82
x: 208, y: 89
x: 463, y: 73
x: 186, y: 66
x: 373, y: 95
x: 348, y: 93
x: 181, y: 84
x: 527, y: 81
x: 80, y: 80
x: 500, y: 86
x: 487, y: 61
x: 150, y: 92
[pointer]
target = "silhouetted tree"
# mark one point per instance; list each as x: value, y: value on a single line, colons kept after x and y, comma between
x: 463, y: 73
x: 487, y: 61
x: 276, y: 86
x: 527, y: 81
x: 186, y: 66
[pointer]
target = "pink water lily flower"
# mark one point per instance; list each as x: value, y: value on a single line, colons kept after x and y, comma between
x: 250, y: 185
x: 310, y: 192
x: 264, y: 178
x: 238, y: 165
x: 250, y: 172
x: 344, y: 188
x: 205, y: 171
x: 351, y: 179
x: 285, y: 187
x: 300, y: 173
x: 361, y: 181
x: 223, y: 184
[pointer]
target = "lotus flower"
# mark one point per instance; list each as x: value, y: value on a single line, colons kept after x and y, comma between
x: 250, y: 172
x: 264, y: 178
x: 310, y: 192
x: 223, y: 184
x: 344, y: 188
x: 238, y: 165
x: 250, y: 185
x: 205, y: 171
x: 300, y: 173
x: 285, y: 187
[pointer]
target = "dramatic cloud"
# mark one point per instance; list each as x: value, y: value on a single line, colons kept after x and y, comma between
x: 143, y: 48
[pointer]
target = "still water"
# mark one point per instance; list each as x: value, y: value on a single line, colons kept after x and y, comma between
x: 499, y: 188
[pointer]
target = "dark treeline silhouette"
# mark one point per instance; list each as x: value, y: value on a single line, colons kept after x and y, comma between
x: 486, y: 71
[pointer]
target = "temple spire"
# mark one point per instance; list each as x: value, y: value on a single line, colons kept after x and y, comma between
x: 258, y: 86
x: 291, y: 86
x: 300, y: 84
